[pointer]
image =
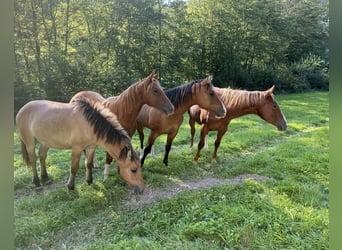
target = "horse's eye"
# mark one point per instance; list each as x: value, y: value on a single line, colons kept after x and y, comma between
x: 274, y: 105
x: 134, y: 170
x: 155, y: 91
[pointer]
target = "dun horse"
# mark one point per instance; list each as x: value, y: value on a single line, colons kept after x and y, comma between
x: 239, y: 103
x: 183, y: 97
x: 127, y: 105
x: 78, y: 126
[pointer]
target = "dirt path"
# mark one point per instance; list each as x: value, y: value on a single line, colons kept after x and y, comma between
x: 154, y: 194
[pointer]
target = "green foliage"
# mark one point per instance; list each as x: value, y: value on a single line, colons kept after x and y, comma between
x: 287, y: 211
x: 62, y: 47
x: 313, y: 70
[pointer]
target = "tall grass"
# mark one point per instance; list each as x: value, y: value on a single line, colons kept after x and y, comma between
x: 287, y: 211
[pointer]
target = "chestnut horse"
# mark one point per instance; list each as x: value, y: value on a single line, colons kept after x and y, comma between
x: 78, y: 126
x: 239, y: 103
x: 183, y: 97
x: 127, y: 105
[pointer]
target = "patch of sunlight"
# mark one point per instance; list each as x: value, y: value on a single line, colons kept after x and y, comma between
x: 311, y: 129
x: 296, y: 126
x: 100, y: 194
x: 296, y: 211
x: 177, y: 181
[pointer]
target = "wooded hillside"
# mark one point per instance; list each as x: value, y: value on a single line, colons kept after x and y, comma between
x: 63, y: 46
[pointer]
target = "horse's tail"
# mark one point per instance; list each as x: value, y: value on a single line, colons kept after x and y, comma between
x: 25, y: 154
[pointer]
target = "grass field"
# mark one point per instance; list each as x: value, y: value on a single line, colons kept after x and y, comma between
x: 288, y: 209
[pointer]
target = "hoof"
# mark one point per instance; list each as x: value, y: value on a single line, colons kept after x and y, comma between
x: 36, y: 182
x: 47, y: 182
x: 39, y: 189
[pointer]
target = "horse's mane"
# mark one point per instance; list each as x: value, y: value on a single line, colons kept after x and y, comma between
x: 178, y: 94
x: 105, y: 124
x: 237, y: 97
x: 125, y: 99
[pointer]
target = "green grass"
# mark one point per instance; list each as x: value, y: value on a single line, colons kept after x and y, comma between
x: 289, y: 211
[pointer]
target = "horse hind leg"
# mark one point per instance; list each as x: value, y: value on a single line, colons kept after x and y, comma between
x: 42, y: 158
x: 30, y: 158
x: 75, y: 161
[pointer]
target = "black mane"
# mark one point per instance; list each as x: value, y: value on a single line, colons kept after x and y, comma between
x: 178, y: 94
x: 105, y: 124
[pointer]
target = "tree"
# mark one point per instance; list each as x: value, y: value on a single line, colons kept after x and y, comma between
x: 64, y: 46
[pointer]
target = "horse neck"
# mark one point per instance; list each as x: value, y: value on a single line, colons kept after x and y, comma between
x: 127, y: 106
x: 240, y: 102
x: 112, y: 149
x: 187, y: 101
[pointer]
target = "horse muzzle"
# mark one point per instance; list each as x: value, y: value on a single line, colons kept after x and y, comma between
x: 281, y: 126
x: 168, y: 109
x: 221, y: 114
x: 137, y: 190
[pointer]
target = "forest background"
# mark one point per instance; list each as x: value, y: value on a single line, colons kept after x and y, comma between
x: 64, y: 46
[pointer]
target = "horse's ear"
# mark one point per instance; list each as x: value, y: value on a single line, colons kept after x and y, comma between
x: 149, y: 78
x: 156, y: 75
x: 129, y: 154
x: 207, y: 80
x: 210, y: 78
x: 269, y: 91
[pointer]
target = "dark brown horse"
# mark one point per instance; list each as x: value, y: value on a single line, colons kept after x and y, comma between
x: 239, y: 103
x: 183, y: 97
x: 78, y: 126
x: 127, y: 105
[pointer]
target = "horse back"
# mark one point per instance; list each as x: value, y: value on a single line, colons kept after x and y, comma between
x: 54, y: 124
x: 91, y: 95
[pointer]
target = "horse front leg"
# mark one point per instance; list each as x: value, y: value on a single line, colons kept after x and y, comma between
x: 204, y: 132
x: 219, y: 136
x: 140, y: 130
x: 152, y: 137
x: 169, y: 141
x: 75, y: 162
x: 42, y: 158
x: 90, y: 156
x: 109, y: 160
x: 192, y: 131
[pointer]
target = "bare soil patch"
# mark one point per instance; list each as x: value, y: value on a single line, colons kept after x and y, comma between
x: 151, y: 195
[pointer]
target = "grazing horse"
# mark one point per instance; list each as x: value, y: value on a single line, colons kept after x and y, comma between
x: 239, y: 103
x: 127, y: 105
x: 78, y: 126
x: 183, y: 97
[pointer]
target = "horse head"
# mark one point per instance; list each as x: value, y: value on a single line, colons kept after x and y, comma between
x: 130, y: 170
x: 208, y: 99
x: 270, y: 111
x: 155, y: 95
